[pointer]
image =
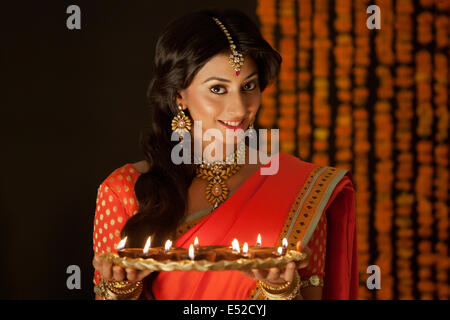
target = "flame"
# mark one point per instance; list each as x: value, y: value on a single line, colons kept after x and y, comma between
x: 168, y: 245
x: 258, y: 240
x: 235, y: 245
x: 280, y: 251
x: 121, y: 244
x: 191, y: 252
x: 245, y: 248
x: 196, y: 242
x: 147, y: 245
x: 285, y: 243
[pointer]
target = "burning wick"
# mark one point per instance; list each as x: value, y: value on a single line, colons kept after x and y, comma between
x: 196, y: 242
x: 245, y: 248
x: 147, y: 245
x: 258, y: 240
x: 280, y: 251
x: 235, y: 245
x: 191, y: 252
x: 121, y: 244
x: 284, y: 243
x: 168, y: 245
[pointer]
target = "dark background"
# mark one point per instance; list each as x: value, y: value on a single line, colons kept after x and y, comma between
x: 72, y: 106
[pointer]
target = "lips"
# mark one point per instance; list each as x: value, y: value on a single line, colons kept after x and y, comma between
x: 232, y: 124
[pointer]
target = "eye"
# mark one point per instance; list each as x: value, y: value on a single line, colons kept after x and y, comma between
x: 215, y: 90
x: 249, y: 88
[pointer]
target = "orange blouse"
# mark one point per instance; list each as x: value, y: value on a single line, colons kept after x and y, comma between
x: 116, y: 202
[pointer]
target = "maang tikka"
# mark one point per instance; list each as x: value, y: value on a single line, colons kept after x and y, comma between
x: 236, y: 59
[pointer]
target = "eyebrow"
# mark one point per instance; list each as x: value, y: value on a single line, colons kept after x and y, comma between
x: 226, y: 80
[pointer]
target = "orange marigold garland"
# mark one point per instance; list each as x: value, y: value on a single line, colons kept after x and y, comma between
x: 343, y: 55
x: 404, y: 200
x: 321, y: 107
x: 362, y: 146
x: 424, y: 147
x: 441, y: 156
x: 383, y: 124
x: 304, y: 79
x: 287, y: 95
x: 266, y: 11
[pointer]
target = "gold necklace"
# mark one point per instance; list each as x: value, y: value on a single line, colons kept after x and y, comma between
x: 216, y: 173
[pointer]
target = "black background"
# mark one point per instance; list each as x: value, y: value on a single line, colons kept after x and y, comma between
x: 72, y: 106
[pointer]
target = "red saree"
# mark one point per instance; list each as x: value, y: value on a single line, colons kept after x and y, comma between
x: 288, y: 204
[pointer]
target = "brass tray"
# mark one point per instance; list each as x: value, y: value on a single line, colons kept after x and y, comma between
x: 204, y: 265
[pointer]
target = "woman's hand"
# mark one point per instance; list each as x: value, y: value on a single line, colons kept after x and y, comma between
x: 277, y: 277
x: 109, y: 272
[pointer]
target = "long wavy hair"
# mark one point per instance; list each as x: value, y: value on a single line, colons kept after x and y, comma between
x: 183, y: 48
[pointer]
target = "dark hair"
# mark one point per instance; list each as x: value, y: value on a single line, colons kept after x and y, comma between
x: 183, y: 48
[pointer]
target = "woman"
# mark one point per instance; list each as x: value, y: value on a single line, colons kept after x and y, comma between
x: 211, y: 66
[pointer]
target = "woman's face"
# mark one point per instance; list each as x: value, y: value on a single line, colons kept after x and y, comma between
x: 220, y: 99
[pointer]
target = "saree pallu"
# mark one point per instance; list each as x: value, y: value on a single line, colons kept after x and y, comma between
x: 289, y: 205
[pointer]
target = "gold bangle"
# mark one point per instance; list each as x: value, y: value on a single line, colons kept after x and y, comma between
x: 119, y: 290
x: 293, y: 290
x: 279, y: 288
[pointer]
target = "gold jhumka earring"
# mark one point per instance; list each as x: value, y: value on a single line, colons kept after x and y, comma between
x: 181, y: 123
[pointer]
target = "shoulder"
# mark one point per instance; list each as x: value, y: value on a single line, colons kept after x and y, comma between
x: 124, y: 177
x: 117, y: 189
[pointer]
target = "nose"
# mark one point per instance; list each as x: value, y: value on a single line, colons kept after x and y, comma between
x: 237, y: 107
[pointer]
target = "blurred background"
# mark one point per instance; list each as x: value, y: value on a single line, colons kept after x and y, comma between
x: 374, y: 101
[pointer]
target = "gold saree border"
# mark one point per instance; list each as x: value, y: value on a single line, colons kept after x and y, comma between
x: 306, y: 210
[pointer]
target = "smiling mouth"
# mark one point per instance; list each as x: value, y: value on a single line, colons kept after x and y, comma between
x: 232, y: 124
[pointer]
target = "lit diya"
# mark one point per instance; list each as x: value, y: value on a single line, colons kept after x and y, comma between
x: 209, y: 257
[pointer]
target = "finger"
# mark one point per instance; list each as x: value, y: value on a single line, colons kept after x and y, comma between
x: 307, y: 250
x: 118, y: 273
x: 96, y: 262
x: 131, y: 274
x: 305, y: 262
x: 259, y: 274
x: 142, y: 274
x: 274, y: 274
x: 288, y: 274
x: 299, y: 246
x: 302, y: 264
x: 107, y: 271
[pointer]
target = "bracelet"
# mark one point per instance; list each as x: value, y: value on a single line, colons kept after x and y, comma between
x: 280, y: 293
x: 119, y: 290
x: 279, y: 288
x: 314, y: 281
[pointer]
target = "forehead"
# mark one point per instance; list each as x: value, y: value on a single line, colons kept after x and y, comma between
x: 218, y: 66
